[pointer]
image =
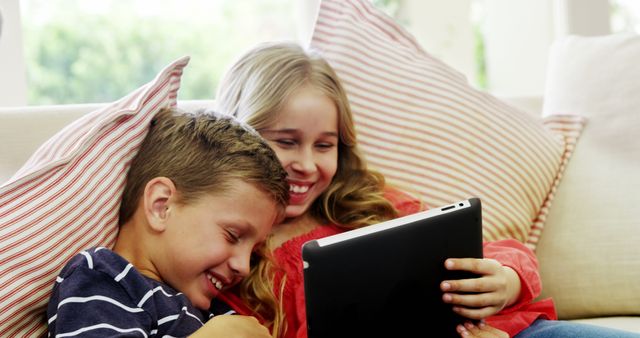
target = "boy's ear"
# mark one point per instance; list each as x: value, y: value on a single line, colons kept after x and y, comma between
x: 159, y: 193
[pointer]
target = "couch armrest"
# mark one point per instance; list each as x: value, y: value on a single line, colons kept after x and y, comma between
x: 24, y: 129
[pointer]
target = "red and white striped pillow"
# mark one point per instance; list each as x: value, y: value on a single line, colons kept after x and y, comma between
x: 426, y: 129
x: 66, y: 198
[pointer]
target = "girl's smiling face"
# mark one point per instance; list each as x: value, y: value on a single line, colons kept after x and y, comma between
x: 305, y: 138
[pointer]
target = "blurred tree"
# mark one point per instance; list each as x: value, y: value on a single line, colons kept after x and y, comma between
x: 97, y: 51
x: 388, y: 6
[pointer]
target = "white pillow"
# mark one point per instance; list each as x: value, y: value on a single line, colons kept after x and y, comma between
x: 589, y: 252
x: 66, y: 198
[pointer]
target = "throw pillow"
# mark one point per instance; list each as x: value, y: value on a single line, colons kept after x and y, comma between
x: 66, y: 198
x: 426, y: 129
x: 589, y: 250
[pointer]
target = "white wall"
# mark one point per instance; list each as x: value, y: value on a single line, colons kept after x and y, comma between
x: 306, y: 13
x: 13, y: 76
x: 444, y: 30
x: 582, y: 17
x: 517, y: 36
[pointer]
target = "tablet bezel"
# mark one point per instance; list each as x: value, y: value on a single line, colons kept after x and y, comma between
x: 334, y: 311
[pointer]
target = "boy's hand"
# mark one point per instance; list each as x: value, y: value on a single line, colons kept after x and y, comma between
x: 482, y: 330
x: 232, y: 326
x: 497, y: 287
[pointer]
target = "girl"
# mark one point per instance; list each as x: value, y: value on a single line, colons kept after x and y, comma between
x: 295, y: 100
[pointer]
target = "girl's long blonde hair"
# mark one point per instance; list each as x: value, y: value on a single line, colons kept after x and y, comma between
x: 255, y: 90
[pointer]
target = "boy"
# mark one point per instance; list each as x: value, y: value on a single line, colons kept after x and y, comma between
x: 201, y: 195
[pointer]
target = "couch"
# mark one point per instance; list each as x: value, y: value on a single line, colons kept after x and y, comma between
x: 588, y: 247
x: 23, y: 129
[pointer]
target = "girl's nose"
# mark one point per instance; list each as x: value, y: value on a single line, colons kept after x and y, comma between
x: 304, y: 162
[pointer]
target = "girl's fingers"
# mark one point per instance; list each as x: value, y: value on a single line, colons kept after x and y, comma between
x: 481, y: 330
x: 480, y: 266
x: 471, y: 300
x: 480, y: 284
x: 474, y: 313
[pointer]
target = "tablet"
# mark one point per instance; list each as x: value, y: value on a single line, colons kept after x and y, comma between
x: 384, y: 280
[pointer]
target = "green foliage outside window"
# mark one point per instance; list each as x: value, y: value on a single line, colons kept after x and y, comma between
x: 388, y: 6
x: 76, y: 55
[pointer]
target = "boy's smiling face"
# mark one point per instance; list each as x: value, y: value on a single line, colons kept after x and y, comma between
x: 205, y: 245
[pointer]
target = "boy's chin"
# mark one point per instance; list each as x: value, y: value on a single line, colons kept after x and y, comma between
x: 200, y: 300
x: 201, y: 303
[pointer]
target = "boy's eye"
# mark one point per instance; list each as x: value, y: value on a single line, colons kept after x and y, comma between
x: 232, y: 236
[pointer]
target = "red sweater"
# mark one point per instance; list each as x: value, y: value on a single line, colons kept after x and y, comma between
x: 508, y: 252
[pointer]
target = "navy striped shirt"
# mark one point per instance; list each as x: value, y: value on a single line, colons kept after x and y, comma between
x: 100, y: 294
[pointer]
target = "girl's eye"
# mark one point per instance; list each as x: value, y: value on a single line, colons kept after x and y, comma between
x: 325, y: 146
x: 286, y: 142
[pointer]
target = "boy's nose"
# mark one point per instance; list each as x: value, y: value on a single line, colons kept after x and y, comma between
x: 240, y: 263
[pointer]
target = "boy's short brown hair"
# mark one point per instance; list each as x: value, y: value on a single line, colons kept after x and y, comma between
x: 202, y: 153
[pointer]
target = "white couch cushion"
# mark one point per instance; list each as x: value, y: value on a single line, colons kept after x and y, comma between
x: 24, y: 129
x: 589, y: 252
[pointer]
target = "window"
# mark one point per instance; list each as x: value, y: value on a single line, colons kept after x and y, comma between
x: 625, y: 16
x: 79, y: 51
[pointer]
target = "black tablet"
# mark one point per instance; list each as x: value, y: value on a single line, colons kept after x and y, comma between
x: 384, y: 280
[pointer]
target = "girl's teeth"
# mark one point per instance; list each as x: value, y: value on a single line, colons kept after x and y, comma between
x: 298, y: 189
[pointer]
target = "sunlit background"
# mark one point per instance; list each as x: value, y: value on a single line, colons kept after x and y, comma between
x: 79, y: 51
